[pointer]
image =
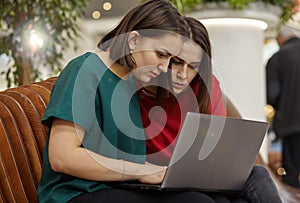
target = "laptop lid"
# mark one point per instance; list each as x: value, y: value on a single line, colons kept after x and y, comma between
x: 214, y: 153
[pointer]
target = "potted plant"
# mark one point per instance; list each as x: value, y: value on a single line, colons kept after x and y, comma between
x: 35, y: 34
x: 287, y: 7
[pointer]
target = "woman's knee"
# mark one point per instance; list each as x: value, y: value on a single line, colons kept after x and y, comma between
x: 259, y: 172
x: 193, y: 197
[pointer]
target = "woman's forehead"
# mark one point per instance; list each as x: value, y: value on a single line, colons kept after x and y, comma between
x: 170, y: 43
x: 190, y: 52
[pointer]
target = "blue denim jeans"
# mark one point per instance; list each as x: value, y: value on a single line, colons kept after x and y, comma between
x: 260, y: 187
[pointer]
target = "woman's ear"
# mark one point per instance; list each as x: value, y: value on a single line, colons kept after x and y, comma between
x: 133, y: 39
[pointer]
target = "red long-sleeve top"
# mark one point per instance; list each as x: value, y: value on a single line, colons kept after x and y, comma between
x: 162, y: 125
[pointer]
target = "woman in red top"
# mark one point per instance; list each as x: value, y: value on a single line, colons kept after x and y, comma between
x: 192, y: 87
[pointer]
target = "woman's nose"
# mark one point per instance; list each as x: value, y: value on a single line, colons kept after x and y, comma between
x: 182, y: 73
x: 164, y: 65
x: 163, y: 68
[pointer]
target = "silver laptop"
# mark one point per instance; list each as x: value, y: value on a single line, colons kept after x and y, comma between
x: 212, y: 153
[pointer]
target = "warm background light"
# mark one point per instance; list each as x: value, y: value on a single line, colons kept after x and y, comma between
x: 36, y: 40
x: 107, y: 6
x: 96, y: 14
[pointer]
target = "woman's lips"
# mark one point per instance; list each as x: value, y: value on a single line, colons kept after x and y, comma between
x: 153, y: 74
x: 178, y: 85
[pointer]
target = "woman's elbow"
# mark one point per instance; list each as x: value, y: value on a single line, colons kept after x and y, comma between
x: 58, y: 163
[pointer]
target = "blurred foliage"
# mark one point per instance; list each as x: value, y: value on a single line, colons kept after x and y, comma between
x: 288, y: 7
x: 54, y: 20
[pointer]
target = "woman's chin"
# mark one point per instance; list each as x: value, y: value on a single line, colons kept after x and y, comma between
x: 177, y: 91
x: 149, y: 81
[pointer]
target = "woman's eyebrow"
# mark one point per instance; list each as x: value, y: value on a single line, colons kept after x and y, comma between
x: 166, y: 51
x: 195, y: 63
x: 179, y: 59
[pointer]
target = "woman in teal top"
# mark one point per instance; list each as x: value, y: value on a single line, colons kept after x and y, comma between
x: 96, y: 135
x: 72, y: 100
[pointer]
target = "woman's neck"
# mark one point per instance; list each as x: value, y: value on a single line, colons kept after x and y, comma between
x: 151, y: 88
x: 120, y: 71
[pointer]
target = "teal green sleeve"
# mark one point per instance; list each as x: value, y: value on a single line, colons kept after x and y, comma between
x: 73, y: 95
x: 90, y: 95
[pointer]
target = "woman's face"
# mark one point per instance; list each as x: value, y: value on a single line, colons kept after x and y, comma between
x: 185, y: 66
x: 152, y: 55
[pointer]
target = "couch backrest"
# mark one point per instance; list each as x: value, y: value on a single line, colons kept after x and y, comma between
x: 22, y: 140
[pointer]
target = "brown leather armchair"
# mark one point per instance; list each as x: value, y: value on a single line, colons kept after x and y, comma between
x: 22, y: 140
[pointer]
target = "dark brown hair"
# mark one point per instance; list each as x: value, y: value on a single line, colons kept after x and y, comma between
x: 200, y: 36
x: 157, y: 15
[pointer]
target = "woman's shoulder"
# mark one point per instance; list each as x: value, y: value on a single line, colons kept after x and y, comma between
x: 87, y: 62
x: 81, y: 57
x: 214, y: 79
x: 85, y: 58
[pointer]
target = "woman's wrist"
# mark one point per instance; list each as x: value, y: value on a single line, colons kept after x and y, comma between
x: 123, y: 170
x: 131, y: 171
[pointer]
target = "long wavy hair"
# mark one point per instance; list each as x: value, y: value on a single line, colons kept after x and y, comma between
x: 200, y: 36
x: 201, y: 84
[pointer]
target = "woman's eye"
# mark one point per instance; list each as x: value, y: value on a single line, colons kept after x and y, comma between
x: 194, y: 66
x: 162, y: 55
x: 177, y: 61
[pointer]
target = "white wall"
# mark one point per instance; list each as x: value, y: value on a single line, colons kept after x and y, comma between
x: 237, y: 56
x: 92, y: 31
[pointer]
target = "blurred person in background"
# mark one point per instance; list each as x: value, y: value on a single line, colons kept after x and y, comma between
x: 283, y: 93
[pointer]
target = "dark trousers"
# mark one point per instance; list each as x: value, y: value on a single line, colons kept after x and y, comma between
x: 259, y: 188
x: 291, y: 159
x: 138, y: 196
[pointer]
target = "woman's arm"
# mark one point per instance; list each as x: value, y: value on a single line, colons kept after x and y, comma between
x: 67, y: 156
